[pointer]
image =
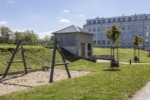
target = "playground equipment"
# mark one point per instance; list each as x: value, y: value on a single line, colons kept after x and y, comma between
x: 114, y: 62
x: 56, y: 47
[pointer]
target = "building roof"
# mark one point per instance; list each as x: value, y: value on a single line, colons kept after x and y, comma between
x: 72, y: 29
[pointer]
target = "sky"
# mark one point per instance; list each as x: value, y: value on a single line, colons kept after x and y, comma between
x: 47, y: 16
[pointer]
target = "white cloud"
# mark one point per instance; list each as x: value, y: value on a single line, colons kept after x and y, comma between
x: 10, y: 1
x: 65, y: 21
x: 3, y: 23
x: 65, y: 11
x: 80, y: 16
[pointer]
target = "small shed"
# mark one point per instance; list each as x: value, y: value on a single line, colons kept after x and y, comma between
x: 76, y: 40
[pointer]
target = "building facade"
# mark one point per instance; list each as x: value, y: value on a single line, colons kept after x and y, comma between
x: 138, y: 24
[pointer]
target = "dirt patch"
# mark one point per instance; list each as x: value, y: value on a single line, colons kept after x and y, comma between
x: 19, y: 82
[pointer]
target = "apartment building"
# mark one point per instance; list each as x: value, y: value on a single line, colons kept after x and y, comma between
x: 137, y: 24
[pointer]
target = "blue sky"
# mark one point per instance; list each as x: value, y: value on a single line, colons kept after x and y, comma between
x: 46, y: 16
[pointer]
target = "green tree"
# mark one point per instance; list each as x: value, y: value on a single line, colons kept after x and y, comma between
x: 5, y: 34
x: 29, y: 36
x: 52, y: 37
x: 113, y: 34
x: 18, y: 36
x: 137, y: 40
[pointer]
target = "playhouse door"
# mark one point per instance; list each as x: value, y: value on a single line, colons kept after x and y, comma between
x: 89, y: 49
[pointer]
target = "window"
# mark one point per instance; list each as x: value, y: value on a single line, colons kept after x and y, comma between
x: 134, y: 33
x: 103, y: 41
x: 99, y: 21
x: 108, y: 42
x: 109, y: 20
x: 114, y: 20
x: 99, y: 42
x: 89, y: 22
x: 103, y: 21
x: 94, y: 21
x: 123, y: 19
x: 123, y: 27
x: 103, y: 28
x: 119, y: 27
x: 103, y: 36
x: 118, y: 19
x: 89, y: 29
x: 129, y: 19
x: 141, y: 18
x: 123, y: 35
x: 94, y: 36
x: 94, y: 42
x: 146, y: 18
x: 108, y: 27
x: 140, y: 33
x: 146, y: 41
x: 124, y: 42
x: 129, y: 34
x: 129, y: 27
x: 99, y: 35
x: 141, y: 26
x: 146, y: 26
x: 94, y: 29
x: 134, y: 26
x: 146, y: 33
x: 98, y: 29
x: 135, y: 18
x: 129, y: 41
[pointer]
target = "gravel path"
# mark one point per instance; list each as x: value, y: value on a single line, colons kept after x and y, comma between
x: 15, y: 83
x: 143, y: 94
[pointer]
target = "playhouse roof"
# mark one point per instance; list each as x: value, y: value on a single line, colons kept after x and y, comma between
x: 72, y: 29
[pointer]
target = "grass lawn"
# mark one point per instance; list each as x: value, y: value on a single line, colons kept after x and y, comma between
x: 125, y: 54
x: 101, y: 84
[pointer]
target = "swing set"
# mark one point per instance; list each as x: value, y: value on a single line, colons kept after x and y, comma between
x: 56, y: 47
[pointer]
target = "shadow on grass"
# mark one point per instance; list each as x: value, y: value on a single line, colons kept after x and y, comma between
x: 112, y: 70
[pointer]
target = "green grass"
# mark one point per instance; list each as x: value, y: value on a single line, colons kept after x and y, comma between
x: 125, y: 54
x: 36, y: 57
x: 101, y: 84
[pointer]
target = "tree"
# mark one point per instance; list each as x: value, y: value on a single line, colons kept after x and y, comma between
x: 137, y: 40
x: 52, y: 37
x: 113, y: 34
x: 30, y: 36
x: 5, y: 34
x: 18, y: 36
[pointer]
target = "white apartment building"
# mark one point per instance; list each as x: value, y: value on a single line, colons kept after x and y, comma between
x: 138, y: 24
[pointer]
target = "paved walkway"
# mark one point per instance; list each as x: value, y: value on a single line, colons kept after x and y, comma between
x: 143, y: 94
x: 99, y: 60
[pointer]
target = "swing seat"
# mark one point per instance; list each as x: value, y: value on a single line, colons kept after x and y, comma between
x: 45, y: 67
x: 136, y: 58
x: 114, y: 64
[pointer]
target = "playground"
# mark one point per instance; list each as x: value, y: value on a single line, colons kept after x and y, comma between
x: 96, y: 79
